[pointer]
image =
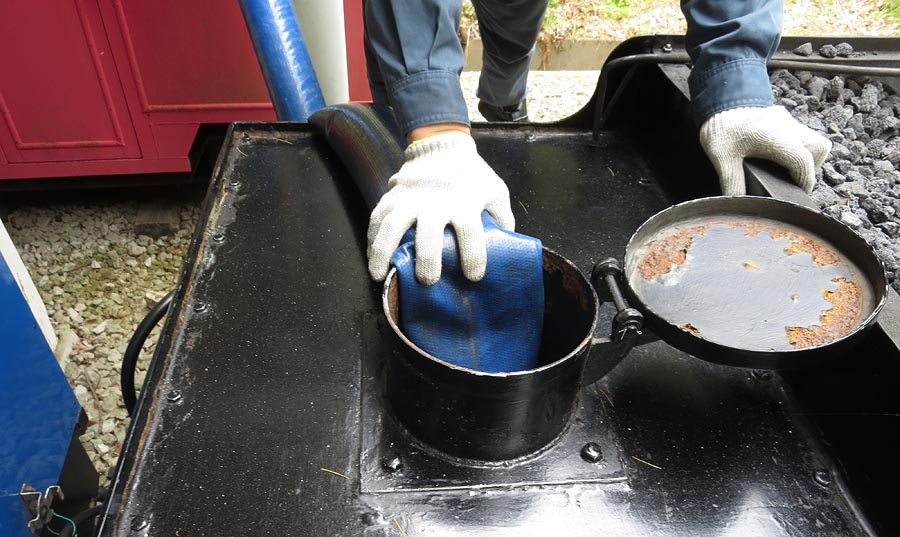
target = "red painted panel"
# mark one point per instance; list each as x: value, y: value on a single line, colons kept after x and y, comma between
x: 60, y: 97
x: 356, y: 56
x: 193, y: 55
x: 211, y: 116
x: 29, y: 170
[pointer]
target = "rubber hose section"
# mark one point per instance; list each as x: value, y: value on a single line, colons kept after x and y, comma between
x: 129, y: 360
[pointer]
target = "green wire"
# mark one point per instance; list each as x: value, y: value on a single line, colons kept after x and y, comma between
x: 69, y: 520
x: 51, y: 531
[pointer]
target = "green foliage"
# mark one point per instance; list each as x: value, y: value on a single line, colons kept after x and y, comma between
x: 616, y: 9
x: 551, y: 18
x: 468, y: 10
x: 892, y: 9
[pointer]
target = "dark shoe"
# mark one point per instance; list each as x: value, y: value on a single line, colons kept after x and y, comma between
x: 513, y: 113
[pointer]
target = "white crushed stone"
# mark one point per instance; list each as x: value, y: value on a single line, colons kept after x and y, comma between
x: 94, y: 277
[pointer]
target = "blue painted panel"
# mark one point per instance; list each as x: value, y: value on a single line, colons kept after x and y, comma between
x: 37, y: 407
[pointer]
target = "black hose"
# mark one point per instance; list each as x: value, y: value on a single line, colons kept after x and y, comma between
x: 130, y: 358
x: 68, y: 529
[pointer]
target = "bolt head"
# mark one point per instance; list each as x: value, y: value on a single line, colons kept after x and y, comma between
x: 174, y: 396
x: 200, y: 307
x: 667, y: 47
x: 823, y: 478
x: 591, y: 452
x: 219, y: 237
x: 138, y: 524
x: 761, y: 374
x: 392, y: 464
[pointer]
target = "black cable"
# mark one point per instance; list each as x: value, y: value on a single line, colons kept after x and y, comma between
x: 130, y: 358
x: 68, y: 529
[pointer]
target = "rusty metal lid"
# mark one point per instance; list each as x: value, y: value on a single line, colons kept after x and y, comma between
x: 756, y: 274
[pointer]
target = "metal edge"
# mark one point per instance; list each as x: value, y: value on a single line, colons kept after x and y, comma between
x: 761, y: 181
x: 135, y: 435
x: 586, y: 341
x: 749, y: 357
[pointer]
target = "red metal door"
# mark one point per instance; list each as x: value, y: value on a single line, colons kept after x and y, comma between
x: 60, y: 95
x: 186, y: 61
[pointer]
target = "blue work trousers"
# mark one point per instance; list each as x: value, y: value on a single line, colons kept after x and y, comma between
x: 414, y: 57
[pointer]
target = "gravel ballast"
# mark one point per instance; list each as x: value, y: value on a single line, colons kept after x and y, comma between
x: 859, y: 184
x: 98, y: 279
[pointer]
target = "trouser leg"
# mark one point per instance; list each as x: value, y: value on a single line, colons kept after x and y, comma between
x: 508, y: 31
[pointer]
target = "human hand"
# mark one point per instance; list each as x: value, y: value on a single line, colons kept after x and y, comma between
x: 443, y: 181
x: 768, y: 132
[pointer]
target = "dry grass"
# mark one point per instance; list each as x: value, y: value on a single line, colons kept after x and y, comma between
x: 616, y: 20
x: 857, y: 17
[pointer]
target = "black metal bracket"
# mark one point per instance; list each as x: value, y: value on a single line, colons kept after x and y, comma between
x: 626, y: 329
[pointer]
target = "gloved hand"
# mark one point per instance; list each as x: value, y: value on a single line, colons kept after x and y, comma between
x: 442, y: 181
x: 767, y: 132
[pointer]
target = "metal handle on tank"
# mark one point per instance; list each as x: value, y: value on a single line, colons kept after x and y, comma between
x: 626, y: 328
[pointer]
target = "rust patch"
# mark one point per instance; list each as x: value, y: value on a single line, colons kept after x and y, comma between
x: 665, y: 253
x: 822, y: 255
x: 692, y: 329
x: 836, y: 322
x: 571, y: 281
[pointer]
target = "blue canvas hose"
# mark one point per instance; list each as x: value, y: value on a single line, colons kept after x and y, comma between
x: 493, y: 325
x: 283, y: 58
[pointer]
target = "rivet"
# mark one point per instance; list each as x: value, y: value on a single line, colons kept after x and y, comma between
x: 761, y: 374
x: 530, y: 137
x: 373, y: 518
x: 392, y: 464
x: 235, y: 184
x: 667, y: 48
x: 219, y: 237
x: 200, y: 307
x: 174, y: 396
x: 822, y: 477
x: 591, y: 452
x: 137, y: 524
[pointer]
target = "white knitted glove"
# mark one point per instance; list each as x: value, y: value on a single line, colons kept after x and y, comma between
x: 769, y: 133
x: 444, y: 181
